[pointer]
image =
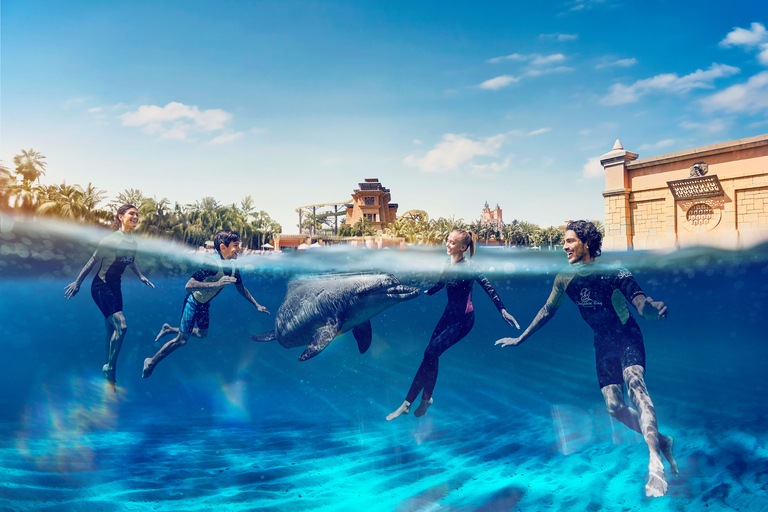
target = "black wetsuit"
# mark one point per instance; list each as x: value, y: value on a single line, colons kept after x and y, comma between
x: 601, y: 293
x: 456, y: 322
x: 116, y: 252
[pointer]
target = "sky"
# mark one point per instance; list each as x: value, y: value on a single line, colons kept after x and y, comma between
x: 449, y: 104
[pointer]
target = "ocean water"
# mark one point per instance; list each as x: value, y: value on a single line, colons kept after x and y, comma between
x: 229, y: 424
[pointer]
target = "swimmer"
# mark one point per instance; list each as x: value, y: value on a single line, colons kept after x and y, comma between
x: 456, y: 322
x: 114, y: 253
x: 202, y: 287
x: 601, y: 293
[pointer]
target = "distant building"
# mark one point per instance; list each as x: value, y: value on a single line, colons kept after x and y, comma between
x: 492, y: 216
x: 371, y: 201
x: 715, y: 195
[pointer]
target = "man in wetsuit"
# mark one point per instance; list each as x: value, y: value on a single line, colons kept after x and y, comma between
x: 601, y: 293
x: 202, y: 287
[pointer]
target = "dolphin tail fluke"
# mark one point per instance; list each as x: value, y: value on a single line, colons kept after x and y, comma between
x: 265, y: 336
x: 322, y: 337
x: 363, y: 335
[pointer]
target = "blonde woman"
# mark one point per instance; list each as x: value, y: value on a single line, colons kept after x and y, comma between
x: 457, y: 320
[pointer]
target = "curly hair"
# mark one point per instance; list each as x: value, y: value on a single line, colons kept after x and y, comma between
x: 116, y: 224
x: 226, y: 237
x: 588, y: 234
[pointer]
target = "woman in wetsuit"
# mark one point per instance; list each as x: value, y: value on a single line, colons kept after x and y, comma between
x: 457, y: 320
x: 114, y: 253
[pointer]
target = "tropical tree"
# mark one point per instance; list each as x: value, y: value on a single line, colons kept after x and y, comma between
x: 30, y: 165
x: 128, y: 196
x: 63, y: 201
x: 6, y: 183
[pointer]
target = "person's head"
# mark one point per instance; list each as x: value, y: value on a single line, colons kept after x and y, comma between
x: 227, y: 244
x: 459, y: 241
x: 583, y: 242
x: 126, y: 218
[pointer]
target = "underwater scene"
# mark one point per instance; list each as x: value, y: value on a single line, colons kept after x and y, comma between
x: 230, y: 423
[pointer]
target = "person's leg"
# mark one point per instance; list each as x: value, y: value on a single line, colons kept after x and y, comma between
x: 151, y: 362
x: 642, y: 420
x: 118, y: 328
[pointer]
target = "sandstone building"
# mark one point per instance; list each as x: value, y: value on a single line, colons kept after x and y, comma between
x: 489, y: 216
x: 715, y: 195
x: 371, y: 201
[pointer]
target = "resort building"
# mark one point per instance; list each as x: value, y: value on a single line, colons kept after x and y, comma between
x: 715, y: 195
x: 371, y: 201
x: 489, y: 216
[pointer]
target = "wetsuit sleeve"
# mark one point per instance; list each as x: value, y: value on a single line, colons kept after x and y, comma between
x: 489, y: 289
x: 627, y: 284
x: 557, y: 296
x: 238, y: 277
x: 201, y: 274
x: 105, y: 245
x: 439, y: 286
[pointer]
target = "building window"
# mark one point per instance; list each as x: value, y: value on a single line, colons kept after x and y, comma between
x: 370, y: 201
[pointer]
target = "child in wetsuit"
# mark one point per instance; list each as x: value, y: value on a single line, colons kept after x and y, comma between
x: 202, y: 287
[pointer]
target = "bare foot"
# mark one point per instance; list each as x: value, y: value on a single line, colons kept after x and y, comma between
x: 667, y: 443
x: 657, y: 481
x: 421, y: 410
x: 165, y: 331
x: 403, y: 409
x: 109, y: 374
x: 148, y: 367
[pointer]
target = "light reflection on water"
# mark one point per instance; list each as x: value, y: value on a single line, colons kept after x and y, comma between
x: 521, y: 420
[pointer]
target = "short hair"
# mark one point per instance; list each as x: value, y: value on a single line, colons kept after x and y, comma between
x: 226, y: 237
x: 116, y: 224
x: 588, y: 234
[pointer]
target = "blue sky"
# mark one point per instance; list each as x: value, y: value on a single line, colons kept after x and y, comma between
x: 450, y: 104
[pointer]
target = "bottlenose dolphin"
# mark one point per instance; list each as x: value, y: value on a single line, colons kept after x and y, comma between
x: 317, y: 309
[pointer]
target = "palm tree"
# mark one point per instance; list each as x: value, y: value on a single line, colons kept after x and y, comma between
x: 30, y: 165
x: 6, y: 183
x: 92, y: 196
x: 64, y: 201
x: 128, y: 196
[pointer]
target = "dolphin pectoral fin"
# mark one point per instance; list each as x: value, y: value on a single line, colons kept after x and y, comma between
x: 363, y: 335
x: 265, y: 336
x: 322, y: 337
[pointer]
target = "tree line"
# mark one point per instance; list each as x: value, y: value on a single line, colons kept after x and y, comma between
x: 194, y: 224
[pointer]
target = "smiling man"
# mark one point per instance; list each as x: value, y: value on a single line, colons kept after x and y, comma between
x: 601, y: 293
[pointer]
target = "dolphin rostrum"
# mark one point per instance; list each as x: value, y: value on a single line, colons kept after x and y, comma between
x: 317, y: 309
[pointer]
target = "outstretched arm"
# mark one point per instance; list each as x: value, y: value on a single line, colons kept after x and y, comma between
x: 545, y: 315
x: 194, y: 285
x: 133, y: 266
x: 245, y: 293
x: 649, y: 309
x: 72, y: 288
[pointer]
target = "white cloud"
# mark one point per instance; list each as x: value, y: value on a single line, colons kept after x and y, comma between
x: 755, y: 37
x: 747, y: 97
x: 666, y: 143
x: 713, y: 126
x: 743, y: 37
x: 226, y: 138
x: 499, y: 82
x: 535, y: 58
x: 417, y: 142
x: 539, y: 131
x: 593, y: 168
x: 178, y: 121
x: 94, y: 110
x: 622, y: 63
x: 456, y: 151
x: 559, y: 37
x: 667, y: 82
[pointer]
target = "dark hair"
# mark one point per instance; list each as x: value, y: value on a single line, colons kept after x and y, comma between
x: 467, y: 238
x: 226, y: 237
x: 588, y: 234
x: 116, y: 224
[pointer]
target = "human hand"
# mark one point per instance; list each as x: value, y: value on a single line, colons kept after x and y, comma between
x: 227, y: 280
x: 146, y: 281
x: 654, y: 310
x: 505, y: 342
x: 71, y: 290
x: 262, y: 309
x: 509, y: 319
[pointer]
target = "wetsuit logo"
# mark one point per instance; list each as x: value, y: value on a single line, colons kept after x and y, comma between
x: 624, y: 273
x: 586, y: 301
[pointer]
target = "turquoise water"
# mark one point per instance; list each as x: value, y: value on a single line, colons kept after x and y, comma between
x: 228, y: 424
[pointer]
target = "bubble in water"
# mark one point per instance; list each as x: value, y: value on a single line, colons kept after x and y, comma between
x: 509, y: 268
